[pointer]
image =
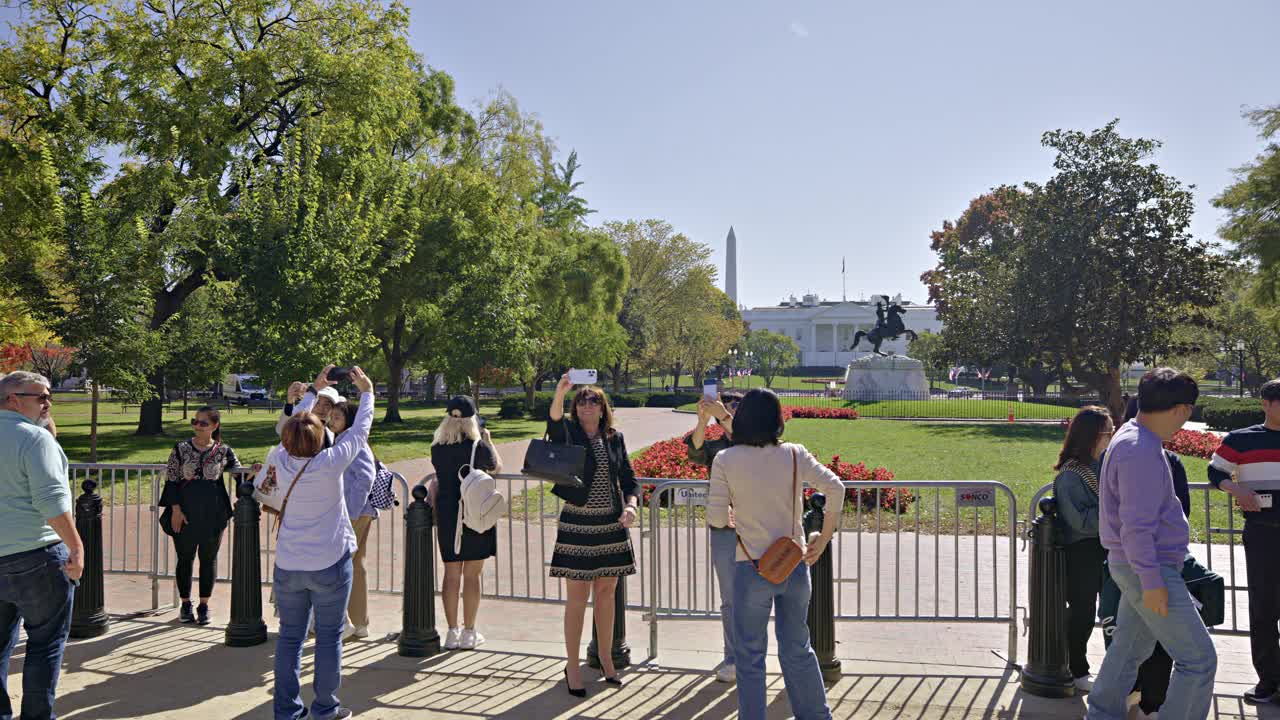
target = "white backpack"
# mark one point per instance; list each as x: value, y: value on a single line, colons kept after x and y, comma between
x: 482, y: 505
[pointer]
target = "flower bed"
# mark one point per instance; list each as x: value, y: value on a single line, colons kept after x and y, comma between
x: 669, y: 459
x: 1196, y: 443
x: 818, y: 413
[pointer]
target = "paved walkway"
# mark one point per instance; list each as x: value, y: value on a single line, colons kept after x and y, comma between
x: 152, y: 667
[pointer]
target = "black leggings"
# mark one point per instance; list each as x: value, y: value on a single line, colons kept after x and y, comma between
x: 187, y: 547
x: 1084, y: 580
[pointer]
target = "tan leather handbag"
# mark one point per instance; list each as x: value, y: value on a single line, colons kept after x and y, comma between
x: 785, y: 553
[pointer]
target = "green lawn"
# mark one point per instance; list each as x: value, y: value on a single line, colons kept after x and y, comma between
x: 948, y: 408
x: 252, y: 434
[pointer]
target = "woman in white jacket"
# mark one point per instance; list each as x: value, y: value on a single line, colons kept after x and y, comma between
x: 313, y: 551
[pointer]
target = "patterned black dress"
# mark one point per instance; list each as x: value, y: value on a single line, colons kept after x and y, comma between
x: 590, y: 542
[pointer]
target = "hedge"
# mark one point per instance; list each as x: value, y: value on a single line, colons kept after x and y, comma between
x: 1230, y: 413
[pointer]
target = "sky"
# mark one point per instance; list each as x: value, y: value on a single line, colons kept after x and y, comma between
x: 825, y: 131
x: 829, y: 130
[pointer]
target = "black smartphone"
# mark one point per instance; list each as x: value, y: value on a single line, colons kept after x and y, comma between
x: 480, y: 421
x: 338, y: 374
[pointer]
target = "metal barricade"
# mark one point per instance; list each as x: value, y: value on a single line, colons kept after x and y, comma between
x: 134, y: 544
x: 1219, y: 520
x: 892, y: 560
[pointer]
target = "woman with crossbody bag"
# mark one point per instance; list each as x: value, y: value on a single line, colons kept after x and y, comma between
x: 197, y: 508
x: 763, y: 479
x: 314, y: 546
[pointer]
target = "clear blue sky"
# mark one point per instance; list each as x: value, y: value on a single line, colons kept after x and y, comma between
x: 828, y: 129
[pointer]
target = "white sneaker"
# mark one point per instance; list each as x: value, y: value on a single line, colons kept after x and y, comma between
x: 362, y: 632
x: 726, y: 672
x: 470, y: 640
x: 1083, y: 683
x: 452, y: 640
x: 348, y: 631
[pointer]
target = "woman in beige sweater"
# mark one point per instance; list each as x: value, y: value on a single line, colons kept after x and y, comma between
x: 763, y: 479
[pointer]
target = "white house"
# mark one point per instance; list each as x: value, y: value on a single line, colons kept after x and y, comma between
x: 824, y: 329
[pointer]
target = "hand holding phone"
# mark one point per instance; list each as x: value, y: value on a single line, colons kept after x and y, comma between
x: 711, y: 390
x: 582, y: 377
x: 338, y: 374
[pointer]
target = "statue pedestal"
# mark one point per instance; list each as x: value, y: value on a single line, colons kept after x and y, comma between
x: 895, y: 377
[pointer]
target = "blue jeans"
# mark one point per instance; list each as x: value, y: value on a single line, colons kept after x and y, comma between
x: 1183, y: 636
x: 34, y: 589
x: 297, y: 593
x: 724, y: 548
x: 753, y: 598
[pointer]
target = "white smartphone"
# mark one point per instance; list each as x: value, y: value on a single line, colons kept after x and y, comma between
x: 582, y: 377
x: 1264, y: 500
x: 711, y: 390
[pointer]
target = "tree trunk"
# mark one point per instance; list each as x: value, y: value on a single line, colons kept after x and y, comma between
x: 432, y: 379
x: 530, y: 388
x: 1110, y: 394
x: 151, y: 414
x: 616, y: 369
x: 184, y: 403
x: 396, y: 365
x: 93, y: 425
x: 675, y: 380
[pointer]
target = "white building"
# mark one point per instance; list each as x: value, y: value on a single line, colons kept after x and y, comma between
x: 824, y: 329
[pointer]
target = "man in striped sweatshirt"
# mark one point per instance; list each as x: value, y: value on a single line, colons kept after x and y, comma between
x: 1247, y: 466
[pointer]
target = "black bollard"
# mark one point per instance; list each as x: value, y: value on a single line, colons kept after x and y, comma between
x: 822, y: 611
x: 246, y: 628
x: 88, y: 613
x: 621, y: 650
x: 1046, y: 673
x: 418, y: 637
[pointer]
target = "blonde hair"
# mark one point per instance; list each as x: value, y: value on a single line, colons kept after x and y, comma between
x: 455, y: 430
x: 303, y: 435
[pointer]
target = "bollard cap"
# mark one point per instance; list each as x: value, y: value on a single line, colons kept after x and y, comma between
x: 244, y: 489
x: 1048, y: 506
x: 420, y: 492
x: 89, y: 485
x: 818, y: 501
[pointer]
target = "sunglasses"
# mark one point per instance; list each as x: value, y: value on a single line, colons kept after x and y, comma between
x: 45, y: 398
x: 589, y: 400
x: 200, y: 423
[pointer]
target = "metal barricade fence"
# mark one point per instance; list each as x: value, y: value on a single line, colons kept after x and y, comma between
x: 1220, y: 520
x: 892, y: 559
x: 134, y: 544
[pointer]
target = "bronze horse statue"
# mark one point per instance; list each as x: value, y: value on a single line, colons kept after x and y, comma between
x: 890, y: 328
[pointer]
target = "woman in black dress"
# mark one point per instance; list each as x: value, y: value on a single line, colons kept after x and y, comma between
x: 197, y: 507
x: 463, y: 557
x: 593, y: 545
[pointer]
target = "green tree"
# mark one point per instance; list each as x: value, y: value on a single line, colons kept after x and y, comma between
x: 930, y: 350
x: 201, y: 340
x: 190, y: 94
x: 1251, y: 202
x: 1096, y: 267
x: 105, y: 310
x: 771, y: 353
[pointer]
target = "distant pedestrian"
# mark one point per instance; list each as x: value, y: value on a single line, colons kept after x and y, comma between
x: 1076, y: 489
x: 41, y: 556
x: 1146, y: 534
x: 197, y: 507
x: 462, y: 549
x: 764, y: 479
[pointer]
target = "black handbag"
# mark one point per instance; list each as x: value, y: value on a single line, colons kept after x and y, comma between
x: 562, y: 464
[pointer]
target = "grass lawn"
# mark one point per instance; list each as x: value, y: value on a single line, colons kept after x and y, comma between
x: 958, y: 408
x: 252, y: 434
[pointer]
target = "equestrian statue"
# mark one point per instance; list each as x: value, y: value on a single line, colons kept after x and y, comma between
x: 890, y: 328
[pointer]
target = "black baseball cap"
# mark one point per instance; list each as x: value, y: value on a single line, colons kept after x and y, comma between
x: 463, y: 404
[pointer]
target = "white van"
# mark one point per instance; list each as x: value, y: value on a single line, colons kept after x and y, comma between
x: 243, y: 388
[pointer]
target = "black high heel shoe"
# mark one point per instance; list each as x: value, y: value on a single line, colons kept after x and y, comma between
x: 614, y: 680
x: 578, y: 693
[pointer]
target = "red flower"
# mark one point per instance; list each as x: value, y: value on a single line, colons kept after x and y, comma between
x: 1195, y: 443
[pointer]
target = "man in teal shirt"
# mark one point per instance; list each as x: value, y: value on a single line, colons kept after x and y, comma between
x: 41, y: 556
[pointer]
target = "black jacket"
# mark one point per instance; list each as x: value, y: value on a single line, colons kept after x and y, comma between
x: 566, y: 432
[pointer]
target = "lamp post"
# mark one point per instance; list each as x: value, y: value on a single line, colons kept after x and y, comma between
x: 1240, y: 354
x: 733, y: 367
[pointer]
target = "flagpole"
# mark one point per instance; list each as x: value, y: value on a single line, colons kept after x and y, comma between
x: 844, y: 288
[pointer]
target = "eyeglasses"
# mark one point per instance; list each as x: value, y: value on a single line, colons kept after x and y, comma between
x: 589, y: 400
x: 200, y: 423
x: 44, y: 398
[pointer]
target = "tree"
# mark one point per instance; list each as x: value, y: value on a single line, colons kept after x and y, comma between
x: 51, y: 360
x: 189, y: 94
x: 708, y: 330
x: 771, y: 353
x: 1253, y: 224
x: 106, y: 307
x: 1095, y: 268
x: 929, y: 349
x: 201, y: 339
